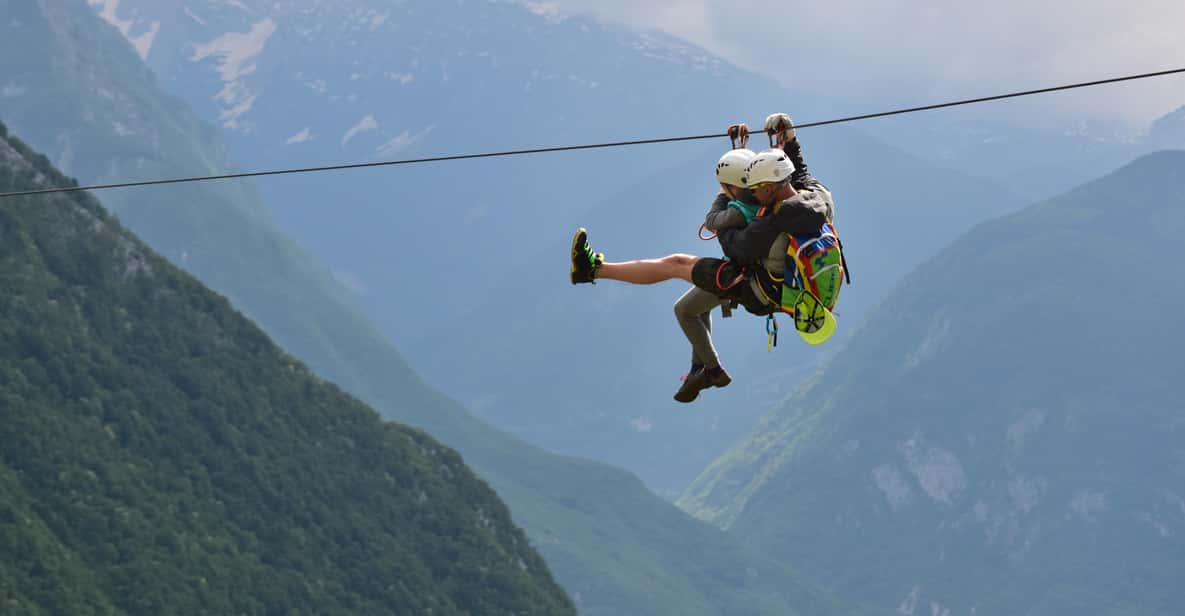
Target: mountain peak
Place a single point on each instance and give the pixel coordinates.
(1169, 130)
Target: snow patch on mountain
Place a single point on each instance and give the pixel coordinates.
(893, 486)
(1154, 522)
(366, 124)
(239, 5)
(937, 470)
(403, 141)
(664, 48)
(1026, 492)
(641, 424)
(142, 43)
(1087, 504)
(1020, 430)
(547, 10)
(909, 605)
(194, 17)
(236, 54)
(936, 339)
(12, 90)
(301, 137)
(1176, 500)
(317, 85)
(237, 51)
(402, 78)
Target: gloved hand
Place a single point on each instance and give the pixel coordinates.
(781, 128)
(781, 125)
(739, 135)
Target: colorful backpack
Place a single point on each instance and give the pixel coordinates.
(815, 272)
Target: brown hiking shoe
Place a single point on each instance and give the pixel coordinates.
(699, 380)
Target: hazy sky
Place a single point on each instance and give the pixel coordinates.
(922, 51)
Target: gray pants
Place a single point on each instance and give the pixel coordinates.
(694, 313)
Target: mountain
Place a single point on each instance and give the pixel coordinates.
(161, 455)
(79, 93)
(462, 264)
(1038, 162)
(311, 82)
(1168, 131)
(613, 545)
(1005, 435)
(626, 338)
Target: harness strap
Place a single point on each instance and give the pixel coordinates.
(740, 278)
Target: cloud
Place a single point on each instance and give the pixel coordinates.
(920, 51)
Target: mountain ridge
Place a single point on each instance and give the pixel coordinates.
(345, 81)
(161, 455)
(617, 526)
(1021, 440)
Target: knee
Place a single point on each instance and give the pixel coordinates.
(683, 310)
(681, 260)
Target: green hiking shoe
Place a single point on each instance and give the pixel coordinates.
(585, 262)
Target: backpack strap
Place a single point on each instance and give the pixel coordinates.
(843, 260)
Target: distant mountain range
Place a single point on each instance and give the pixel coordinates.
(86, 100)
(1005, 436)
(1169, 131)
(1035, 162)
(463, 264)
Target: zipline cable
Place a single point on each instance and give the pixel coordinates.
(569, 148)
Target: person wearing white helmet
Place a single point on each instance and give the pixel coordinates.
(792, 203)
(732, 207)
(693, 311)
(724, 280)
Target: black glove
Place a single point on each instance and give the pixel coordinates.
(801, 174)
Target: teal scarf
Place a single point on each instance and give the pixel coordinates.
(748, 210)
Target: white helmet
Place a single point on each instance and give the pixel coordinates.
(731, 168)
(768, 166)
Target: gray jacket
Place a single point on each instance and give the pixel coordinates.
(815, 196)
(720, 216)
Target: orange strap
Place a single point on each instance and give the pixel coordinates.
(740, 277)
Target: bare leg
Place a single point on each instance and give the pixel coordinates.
(649, 271)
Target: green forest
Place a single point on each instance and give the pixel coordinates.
(160, 455)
